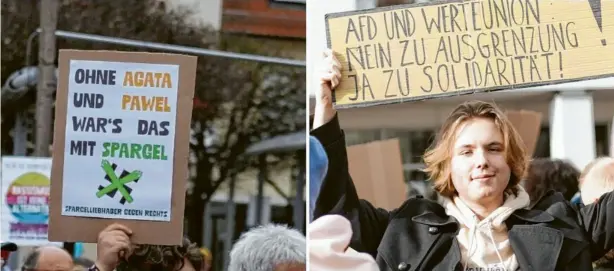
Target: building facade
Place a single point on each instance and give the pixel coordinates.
(279, 23)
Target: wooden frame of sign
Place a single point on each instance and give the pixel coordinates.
(86, 229)
(438, 49)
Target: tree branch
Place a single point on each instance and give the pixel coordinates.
(278, 190)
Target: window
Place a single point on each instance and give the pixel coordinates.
(542, 147)
(602, 141)
(285, 215)
(270, 18)
(216, 229)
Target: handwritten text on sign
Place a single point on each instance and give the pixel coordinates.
(120, 140)
(408, 53)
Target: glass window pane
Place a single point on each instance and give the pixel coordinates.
(542, 148)
(602, 138)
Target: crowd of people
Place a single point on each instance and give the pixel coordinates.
(497, 209)
(268, 247)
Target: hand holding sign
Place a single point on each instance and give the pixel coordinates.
(330, 76)
(113, 241)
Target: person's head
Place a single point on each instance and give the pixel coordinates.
(478, 155)
(587, 168)
(6, 249)
(186, 257)
(48, 258)
(269, 248)
(598, 180)
(546, 174)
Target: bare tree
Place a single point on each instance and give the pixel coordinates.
(236, 103)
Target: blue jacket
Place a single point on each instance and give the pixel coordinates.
(318, 166)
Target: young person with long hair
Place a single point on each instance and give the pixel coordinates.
(476, 164)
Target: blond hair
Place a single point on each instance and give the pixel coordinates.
(587, 168)
(438, 157)
(598, 180)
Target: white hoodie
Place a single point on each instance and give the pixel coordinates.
(484, 244)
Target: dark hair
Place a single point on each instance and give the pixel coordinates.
(31, 260)
(162, 258)
(546, 174)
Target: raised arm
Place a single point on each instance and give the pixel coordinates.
(598, 222)
(337, 194)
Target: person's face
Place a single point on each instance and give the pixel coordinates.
(479, 169)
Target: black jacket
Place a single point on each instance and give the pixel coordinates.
(419, 235)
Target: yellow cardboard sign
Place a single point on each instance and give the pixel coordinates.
(414, 52)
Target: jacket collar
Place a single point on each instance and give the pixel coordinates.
(533, 216)
(432, 219)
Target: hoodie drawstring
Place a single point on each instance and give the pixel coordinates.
(470, 249)
(492, 239)
(476, 249)
(473, 231)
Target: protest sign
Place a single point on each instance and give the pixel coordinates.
(414, 52)
(25, 200)
(122, 120)
(377, 171)
(528, 125)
